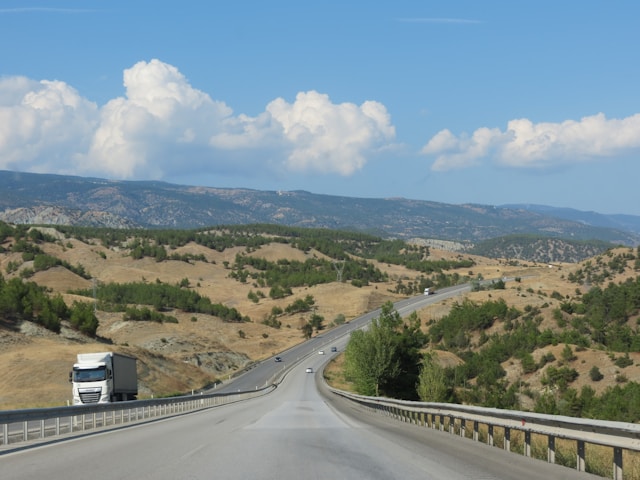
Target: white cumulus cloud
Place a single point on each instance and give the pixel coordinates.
(329, 138)
(524, 144)
(163, 126)
(43, 125)
(141, 135)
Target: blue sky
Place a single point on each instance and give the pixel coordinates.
(491, 102)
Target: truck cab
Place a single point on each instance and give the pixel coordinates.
(91, 383)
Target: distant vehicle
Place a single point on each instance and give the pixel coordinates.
(103, 377)
(429, 291)
(321, 352)
(334, 349)
(278, 359)
(309, 370)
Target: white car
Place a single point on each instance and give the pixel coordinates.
(321, 352)
(309, 370)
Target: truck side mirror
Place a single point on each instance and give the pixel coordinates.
(71, 376)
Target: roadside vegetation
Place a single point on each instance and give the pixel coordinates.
(488, 335)
(396, 357)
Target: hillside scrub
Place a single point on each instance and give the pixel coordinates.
(115, 296)
(604, 318)
(487, 336)
(20, 300)
(490, 339)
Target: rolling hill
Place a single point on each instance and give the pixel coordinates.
(196, 349)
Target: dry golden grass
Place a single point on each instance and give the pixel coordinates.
(201, 349)
(198, 350)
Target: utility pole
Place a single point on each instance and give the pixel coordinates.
(95, 301)
(339, 269)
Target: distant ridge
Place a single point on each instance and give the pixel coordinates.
(29, 198)
(615, 221)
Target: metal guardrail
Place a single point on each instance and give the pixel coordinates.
(19, 426)
(619, 436)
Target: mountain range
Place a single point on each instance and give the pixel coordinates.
(31, 198)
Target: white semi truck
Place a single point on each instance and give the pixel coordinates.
(103, 377)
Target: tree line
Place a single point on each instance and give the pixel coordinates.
(162, 297)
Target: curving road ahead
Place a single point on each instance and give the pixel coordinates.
(265, 372)
(297, 432)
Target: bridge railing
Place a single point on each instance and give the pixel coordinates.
(455, 419)
(18, 426)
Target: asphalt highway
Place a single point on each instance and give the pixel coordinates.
(298, 431)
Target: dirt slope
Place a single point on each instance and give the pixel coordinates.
(201, 349)
(198, 350)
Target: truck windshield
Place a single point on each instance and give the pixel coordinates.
(89, 374)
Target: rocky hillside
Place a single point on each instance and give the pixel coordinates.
(189, 353)
(188, 350)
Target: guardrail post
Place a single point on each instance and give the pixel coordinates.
(5, 434)
(475, 431)
(507, 439)
(452, 424)
(463, 427)
(551, 449)
(617, 463)
(42, 428)
(527, 443)
(490, 435)
(580, 464)
(25, 431)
